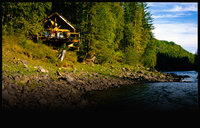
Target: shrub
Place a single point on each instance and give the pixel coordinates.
(131, 56)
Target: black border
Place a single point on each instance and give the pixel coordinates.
(141, 117)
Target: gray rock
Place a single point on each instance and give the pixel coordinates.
(95, 74)
(68, 78)
(43, 101)
(43, 70)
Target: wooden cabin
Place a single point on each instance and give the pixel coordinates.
(59, 29)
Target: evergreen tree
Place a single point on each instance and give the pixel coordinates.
(149, 56)
(101, 27)
(147, 26)
(24, 17)
(137, 29)
(102, 32)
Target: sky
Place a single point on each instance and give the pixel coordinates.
(177, 22)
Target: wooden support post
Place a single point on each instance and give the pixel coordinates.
(62, 55)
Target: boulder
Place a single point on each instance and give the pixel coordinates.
(67, 78)
(43, 70)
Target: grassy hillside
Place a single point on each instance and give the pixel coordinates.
(24, 56)
(171, 56)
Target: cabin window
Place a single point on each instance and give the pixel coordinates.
(60, 35)
(47, 34)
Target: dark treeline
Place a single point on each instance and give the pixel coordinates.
(114, 32)
(166, 62)
(171, 56)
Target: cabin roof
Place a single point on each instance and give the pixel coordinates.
(62, 18)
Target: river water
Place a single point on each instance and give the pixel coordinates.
(150, 97)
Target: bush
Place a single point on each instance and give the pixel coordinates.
(118, 56)
(105, 56)
(131, 56)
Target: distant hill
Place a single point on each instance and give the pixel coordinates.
(171, 56)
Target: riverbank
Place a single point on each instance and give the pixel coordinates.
(33, 78)
(64, 90)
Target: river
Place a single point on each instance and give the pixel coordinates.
(150, 97)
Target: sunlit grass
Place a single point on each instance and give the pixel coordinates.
(18, 49)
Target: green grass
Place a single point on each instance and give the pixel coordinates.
(18, 48)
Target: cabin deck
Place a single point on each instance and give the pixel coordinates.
(59, 30)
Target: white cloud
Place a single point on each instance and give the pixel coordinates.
(170, 15)
(158, 4)
(179, 8)
(182, 34)
(173, 7)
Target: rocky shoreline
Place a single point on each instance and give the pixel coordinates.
(65, 92)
